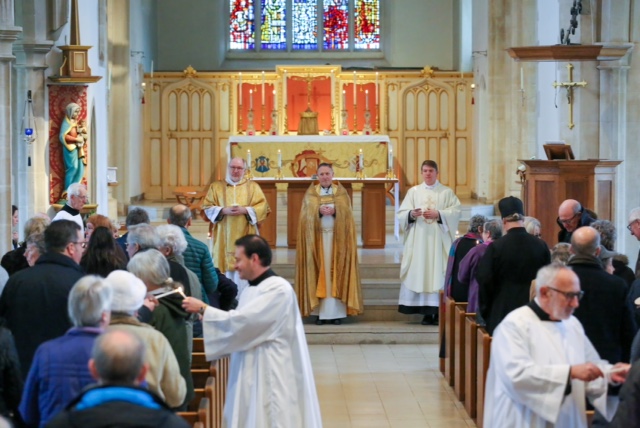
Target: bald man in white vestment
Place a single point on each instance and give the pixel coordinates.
(270, 379)
(542, 363)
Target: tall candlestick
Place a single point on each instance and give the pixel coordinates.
(521, 79)
(240, 89)
(263, 88)
(361, 160)
(250, 99)
(249, 159)
(377, 90)
(354, 87)
(151, 69)
(366, 99)
(279, 159)
(284, 89)
(390, 158)
(332, 89)
(274, 99)
(344, 99)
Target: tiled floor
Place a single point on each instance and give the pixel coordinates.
(384, 386)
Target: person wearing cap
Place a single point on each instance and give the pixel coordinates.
(429, 215)
(604, 311)
(163, 377)
(509, 265)
(634, 228)
(571, 216)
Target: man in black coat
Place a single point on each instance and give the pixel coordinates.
(571, 216)
(117, 363)
(34, 301)
(604, 311)
(509, 265)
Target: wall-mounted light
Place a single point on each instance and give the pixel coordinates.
(29, 131)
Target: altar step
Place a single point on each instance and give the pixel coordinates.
(357, 331)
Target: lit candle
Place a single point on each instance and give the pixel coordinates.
(284, 89)
(274, 99)
(344, 99)
(151, 69)
(366, 99)
(354, 87)
(361, 160)
(240, 89)
(521, 79)
(332, 89)
(250, 99)
(279, 159)
(377, 90)
(390, 158)
(263, 88)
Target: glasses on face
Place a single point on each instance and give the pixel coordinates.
(82, 197)
(569, 295)
(236, 168)
(567, 221)
(630, 226)
(82, 244)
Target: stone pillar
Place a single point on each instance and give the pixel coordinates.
(8, 34)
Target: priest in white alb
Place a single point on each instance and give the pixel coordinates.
(271, 382)
(542, 363)
(429, 215)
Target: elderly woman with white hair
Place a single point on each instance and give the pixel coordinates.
(163, 377)
(168, 317)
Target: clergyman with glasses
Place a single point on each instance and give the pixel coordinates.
(34, 301)
(77, 197)
(571, 216)
(235, 206)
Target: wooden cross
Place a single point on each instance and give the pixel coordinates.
(569, 86)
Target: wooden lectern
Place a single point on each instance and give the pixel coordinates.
(549, 182)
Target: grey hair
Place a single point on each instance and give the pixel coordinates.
(560, 253)
(634, 215)
(172, 236)
(513, 218)
(476, 222)
(89, 298)
(151, 267)
(530, 224)
(118, 356)
(144, 235)
(37, 240)
(179, 215)
(546, 276)
(36, 224)
(493, 228)
(74, 189)
(607, 232)
(137, 216)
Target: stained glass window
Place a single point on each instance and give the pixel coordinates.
(367, 24)
(304, 15)
(336, 24)
(273, 32)
(241, 24)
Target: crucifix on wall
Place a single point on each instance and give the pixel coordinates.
(569, 86)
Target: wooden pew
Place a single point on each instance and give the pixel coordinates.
(201, 415)
(198, 394)
(200, 376)
(198, 344)
(441, 315)
(471, 372)
(459, 351)
(450, 340)
(199, 361)
(217, 406)
(482, 359)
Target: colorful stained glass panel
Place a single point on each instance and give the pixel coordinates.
(367, 24)
(304, 15)
(273, 31)
(336, 24)
(241, 25)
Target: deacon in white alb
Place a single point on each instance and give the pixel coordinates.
(270, 379)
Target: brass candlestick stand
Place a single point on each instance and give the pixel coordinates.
(274, 122)
(251, 130)
(240, 130)
(344, 126)
(279, 175)
(333, 121)
(377, 119)
(367, 123)
(286, 121)
(355, 120)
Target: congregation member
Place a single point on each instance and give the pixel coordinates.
(103, 254)
(572, 216)
(95, 221)
(509, 265)
(235, 206)
(34, 300)
(620, 262)
(77, 197)
(168, 317)
(455, 289)
(634, 227)
(14, 226)
(15, 260)
(491, 231)
(532, 226)
(118, 364)
(59, 371)
(543, 365)
(163, 375)
(327, 280)
(135, 216)
(628, 412)
(10, 378)
(429, 215)
(35, 248)
(197, 257)
(270, 378)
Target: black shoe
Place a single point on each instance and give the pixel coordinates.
(319, 321)
(336, 322)
(430, 320)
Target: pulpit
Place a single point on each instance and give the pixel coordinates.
(549, 182)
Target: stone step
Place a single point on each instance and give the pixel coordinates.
(358, 330)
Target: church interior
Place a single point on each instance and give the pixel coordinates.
(171, 91)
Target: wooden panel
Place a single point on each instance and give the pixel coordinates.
(392, 108)
(410, 112)
(443, 161)
(154, 105)
(461, 161)
(459, 350)
(183, 112)
(173, 111)
(295, 196)
(373, 215)
(155, 162)
(195, 112)
(207, 114)
(450, 305)
(433, 111)
(423, 153)
(268, 228)
(441, 317)
(470, 368)
(482, 357)
(461, 108)
(578, 189)
(604, 199)
(422, 112)
(547, 217)
(444, 110)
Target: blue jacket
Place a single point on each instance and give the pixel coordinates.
(197, 259)
(58, 374)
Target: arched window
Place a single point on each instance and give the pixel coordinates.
(304, 25)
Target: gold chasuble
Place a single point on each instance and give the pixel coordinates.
(311, 283)
(229, 228)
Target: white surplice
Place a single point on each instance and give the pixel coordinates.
(529, 371)
(271, 382)
(426, 243)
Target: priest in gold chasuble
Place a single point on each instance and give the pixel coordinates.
(429, 215)
(235, 206)
(327, 278)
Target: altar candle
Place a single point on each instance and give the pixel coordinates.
(263, 88)
(332, 89)
(151, 69)
(521, 79)
(274, 99)
(279, 159)
(250, 99)
(354, 87)
(344, 99)
(377, 90)
(284, 89)
(240, 89)
(390, 158)
(249, 159)
(366, 99)
(361, 160)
